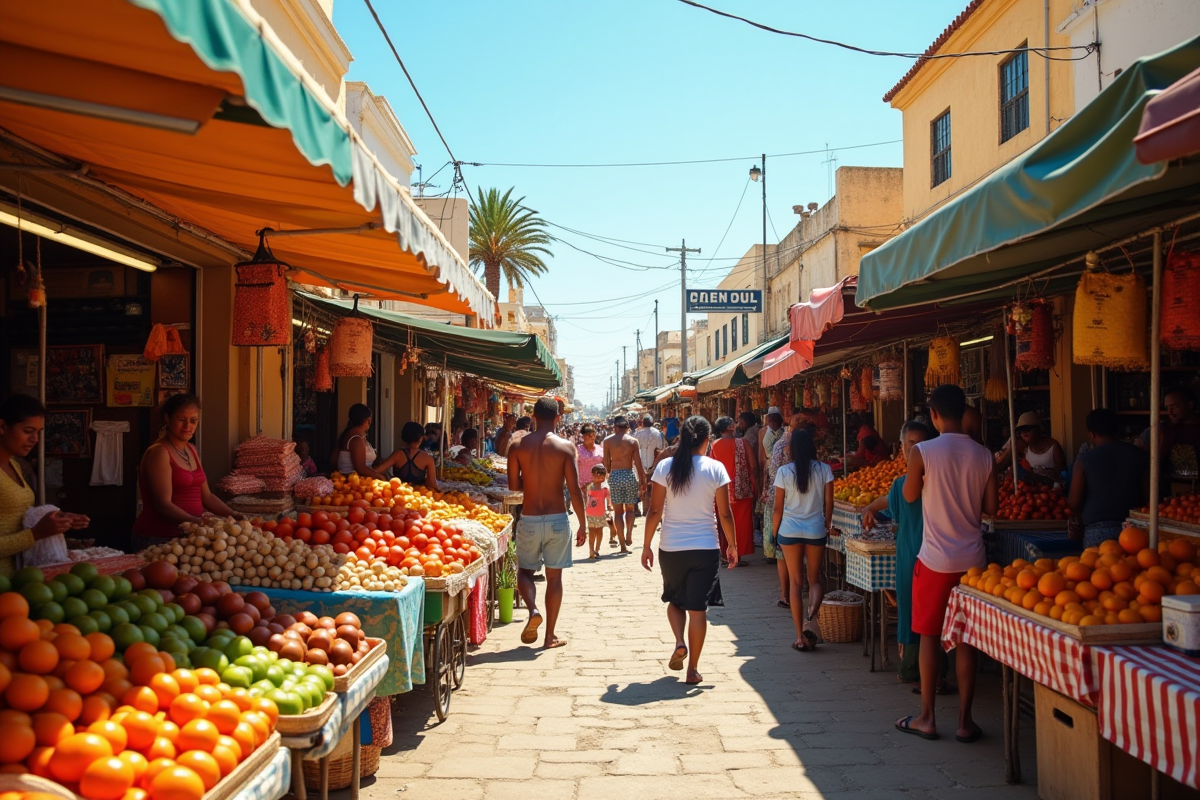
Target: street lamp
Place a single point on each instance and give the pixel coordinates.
(759, 175)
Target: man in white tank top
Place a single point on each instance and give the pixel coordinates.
(954, 478)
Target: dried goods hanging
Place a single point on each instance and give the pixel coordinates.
(996, 388)
(943, 363)
(262, 302)
(891, 381)
(835, 393)
(350, 348)
(1109, 328)
(1032, 326)
(857, 401)
(1181, 301)
(823, 394)
(867, 384)
(809, 396)
(323, 381)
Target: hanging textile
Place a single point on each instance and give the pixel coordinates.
(163, 341)
(1110, 321)
(1181, 301)
(108, 464)
(943, 363)
(262, 305)
(1032, 326)
(350, 348)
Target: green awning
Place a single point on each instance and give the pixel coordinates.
(520, 359)
(1079, 189)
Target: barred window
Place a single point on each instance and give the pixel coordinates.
(940, 147)
(1014, 96)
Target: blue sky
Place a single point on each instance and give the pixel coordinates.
(633, 81)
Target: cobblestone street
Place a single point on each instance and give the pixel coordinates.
(604, 718)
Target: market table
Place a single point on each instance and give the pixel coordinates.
(873, 571)
(346, 718)
(1148, 705)
(1007, 546)
(272, 782)
(395, 617)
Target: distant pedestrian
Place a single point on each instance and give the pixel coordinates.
(626, 476)
(650, 443)
(741, 462)
(597, 510)
(685, 489)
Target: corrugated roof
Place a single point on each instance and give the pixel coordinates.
(933, 48)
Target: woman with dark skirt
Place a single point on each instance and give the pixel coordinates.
(684, 489)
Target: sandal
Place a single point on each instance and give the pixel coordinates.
(803, 647)
(530, 634)
(973, 736)
(904, 726)
(784, 604)
(677, 657)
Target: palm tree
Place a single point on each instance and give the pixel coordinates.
(507, 237)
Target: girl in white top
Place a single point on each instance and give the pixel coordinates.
(803, 516)
(354, 453)
(684, 489)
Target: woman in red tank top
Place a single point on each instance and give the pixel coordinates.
(173, 485)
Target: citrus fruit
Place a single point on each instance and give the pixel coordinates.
(50, 728)
(176, 783)
(27, 692)
(16, 744)
(204, 765)
(199, 734)
(116, 734)
(74, 753)
(106, 779)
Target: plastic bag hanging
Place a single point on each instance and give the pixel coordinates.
(1110, 322)
(323, 381)
(1032, 325)
(891, 381)
(1181, 302)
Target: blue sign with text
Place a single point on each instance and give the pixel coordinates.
(730, 301)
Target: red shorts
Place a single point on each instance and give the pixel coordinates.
(930, 596)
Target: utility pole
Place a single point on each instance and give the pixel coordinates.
(657, 382)
(624, 363)
(683, 250)
(620, 388)
(760, 175)
(637, 358)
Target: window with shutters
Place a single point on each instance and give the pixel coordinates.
(1014, 95)
(939, 138)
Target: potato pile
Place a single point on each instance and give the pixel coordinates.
(242, 555)
(372, 575)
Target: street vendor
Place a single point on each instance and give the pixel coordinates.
(412, 464)
(22, 419)
(173, 484)
(1109, 479)
(354, 452)
(871, 449)
(467, 450)
(1041, 456)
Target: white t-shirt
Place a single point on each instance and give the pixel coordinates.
(803, 514)
(649, 440)
(690, 519)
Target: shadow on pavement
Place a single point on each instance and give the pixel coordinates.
(637, 694)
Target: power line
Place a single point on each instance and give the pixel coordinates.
(678, 163)
(1041, 51)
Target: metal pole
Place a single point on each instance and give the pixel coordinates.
(1155, 386)
(41, 448)
(657, 382)
(258, 390)
(907, 406)
(840, 384)
(1012, 414)
(637, 358)
(683, 250)
(762, 329)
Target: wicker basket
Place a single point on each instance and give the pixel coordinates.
(341, 765)
(840, 617)
(370, 759)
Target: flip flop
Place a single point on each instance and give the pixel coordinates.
(677, 657)
(974, 736)
(530, 634)
(555, 644)
(803, 648)
(810, 639)
(784, 604)
(903, 727)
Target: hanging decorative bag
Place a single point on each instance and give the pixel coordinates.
(1181, 302)
(891, 381)
(350, 348)
(857, 401)
(867, 384)
(1032, 325)
(996, 388)
(1110, 321)
(323, 382)
(262, 302)
(943, 363)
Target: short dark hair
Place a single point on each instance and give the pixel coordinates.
(748, 417)
(17, 408)
(775, 416)
(523, 423)
(598, 468)
(915, 426)
(870, 442)
(412, 432)
(723, 424)
(619, 421)
(546, 408)
(587, 428)
(949, 401)
(647, 421)
(1102, 422)
(471, 434)
(178, 402)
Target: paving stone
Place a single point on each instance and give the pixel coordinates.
(530, 789)
(784, 780)
(515, 767)
(646, 763)
(581, 756)
(720, 762)
(693, 787)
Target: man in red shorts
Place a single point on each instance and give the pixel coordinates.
(954, 478)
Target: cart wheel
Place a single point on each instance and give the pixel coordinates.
(441, 665)
(458, 643)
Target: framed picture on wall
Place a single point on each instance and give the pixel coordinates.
(75, 374)
(67, 433)
(173, 371)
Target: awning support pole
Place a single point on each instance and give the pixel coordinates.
(1012, 414)
(845, 424)
(907, 405)
(1155, 386)
(41, 447)
(258, 391)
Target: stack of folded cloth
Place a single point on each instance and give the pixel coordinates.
(313, 487)
(274, 461)
(242, 484)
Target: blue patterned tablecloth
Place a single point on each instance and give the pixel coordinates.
(871, 573)
(396, 617)
(273, 782)
(1006, 547)
(351, 704)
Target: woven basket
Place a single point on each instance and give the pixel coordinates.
(370, 759)
(840, 617)
(341, 765)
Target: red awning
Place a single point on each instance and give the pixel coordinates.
(1171, 122)
(791, 359)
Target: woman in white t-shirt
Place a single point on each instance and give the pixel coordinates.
(684, 490)
(801, 521)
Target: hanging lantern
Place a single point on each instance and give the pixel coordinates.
(1181, 292)
(891, 381)
(350, 348)
(1033, 328)
(943, 363)
(996, 389)
(1110, 321)
(262, 302)
(323, 382)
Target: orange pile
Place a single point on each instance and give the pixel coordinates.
(1123, 581)
(1182, 508)
(171, 735)
(863, 486)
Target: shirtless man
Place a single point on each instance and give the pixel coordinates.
(540, 464)
(504, 435)
(621, 458)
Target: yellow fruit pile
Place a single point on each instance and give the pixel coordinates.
(862, 487)
(1121, 582)
(465, 475)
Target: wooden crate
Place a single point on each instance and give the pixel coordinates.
(1144, 633)
(342, 683)
(993, 525)
(1167, 526)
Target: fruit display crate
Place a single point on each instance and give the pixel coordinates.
(343, 683)
(1166, 524)
(310, 721)
(995, 525)
(1140, 633)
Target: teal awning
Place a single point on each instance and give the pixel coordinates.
(1079, 189)
(519, 359)
(733, 373)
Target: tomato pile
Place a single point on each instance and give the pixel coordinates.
(1035, 501)
(1182, 508)
(108, 728)
(414, 544)
(1120, 582)
(376, 495)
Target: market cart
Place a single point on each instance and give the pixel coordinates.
(445, 635)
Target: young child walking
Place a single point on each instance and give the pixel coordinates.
(598, 506)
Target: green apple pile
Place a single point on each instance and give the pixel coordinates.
(294, 686)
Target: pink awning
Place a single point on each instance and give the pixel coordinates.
(791, 359)
(823, 310)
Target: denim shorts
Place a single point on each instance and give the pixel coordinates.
(787, 540)
(545, 541)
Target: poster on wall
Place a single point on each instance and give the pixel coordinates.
(75, 374)
(130, 381)
(173, 371)
(67, 433)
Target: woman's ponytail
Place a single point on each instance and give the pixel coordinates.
(692, 433)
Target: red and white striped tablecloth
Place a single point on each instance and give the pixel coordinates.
(1149, 706)
(1042, 654)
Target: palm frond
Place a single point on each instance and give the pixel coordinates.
(508, 235)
